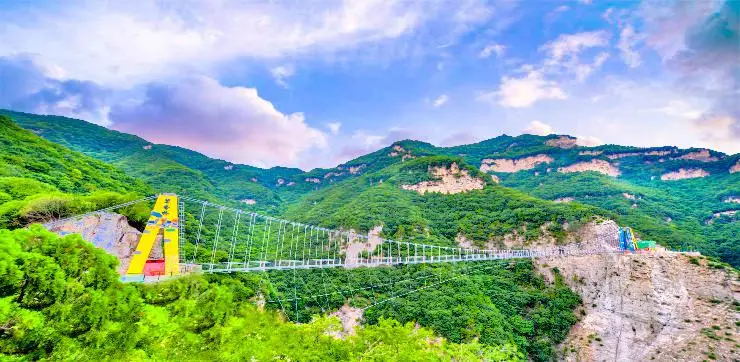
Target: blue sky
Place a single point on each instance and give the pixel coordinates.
(316, 83)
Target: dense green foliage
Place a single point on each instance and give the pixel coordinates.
(502, 311)
(165, 168)
(24, 154)
(40, 180)
(495, 303)
(60, 299)
(676, 214)
(376, 198)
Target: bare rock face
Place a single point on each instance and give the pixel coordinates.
(110, 232)
(629, 196)
(684, 173)
(591, 153)
(350, 318)
(600, 166)
(513, 165)
(735, 167)
(615, 156)
(356, 246)
(400, 151)
(562, 142)
(602, 234)
(653, 306)
(564, 199)
(450, 180)
(729, 214)
(702, 155)
(356, 169)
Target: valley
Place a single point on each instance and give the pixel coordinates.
(496, 194)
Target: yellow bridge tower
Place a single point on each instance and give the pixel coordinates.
(164, 216)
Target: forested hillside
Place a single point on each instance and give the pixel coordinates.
(40, 180)
(681, 198)
(165, 168)
(61, 299)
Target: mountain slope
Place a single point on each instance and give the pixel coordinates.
(40, 179)
(485, 212)
(646, 188)
(166, 168)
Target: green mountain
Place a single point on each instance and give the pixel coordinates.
(60, 298)
(682, 213)
(165, 168)
(40, 180)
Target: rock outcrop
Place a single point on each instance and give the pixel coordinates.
(684, 173)
(450, 180)
(655, 306)
(562, 142)
(615, 156)
(356, 246)
(354, 170)
(400, 151)
(350, 318)
(110, 232)
(564, 199)
(598, 234)
(702, 155)
(513, 165)
(729, 213)
(591, 153)
(600, 166)
(735, 167)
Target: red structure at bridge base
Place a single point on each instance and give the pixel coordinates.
(154, 267)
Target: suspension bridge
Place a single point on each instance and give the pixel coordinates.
(196, 236)
(212, 238)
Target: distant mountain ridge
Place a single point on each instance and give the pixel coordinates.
(678, 197)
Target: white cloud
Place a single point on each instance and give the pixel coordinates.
(232, 123)
(568, 46)
(440, 101)
(282, 73)
(719, 132)
(555, 13)
(128, 43)
(583, 70)
(525, 91)
(680, 109)
(334, 127)
(539, 128)
(497, 49)
(627, 42)
(588, 141)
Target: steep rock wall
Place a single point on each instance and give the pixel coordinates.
(657, 306)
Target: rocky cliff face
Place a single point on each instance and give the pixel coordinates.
(594, 165)
(110, 232)
(684, 174)
(513, 165)
(450, 180)
(657, 306)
